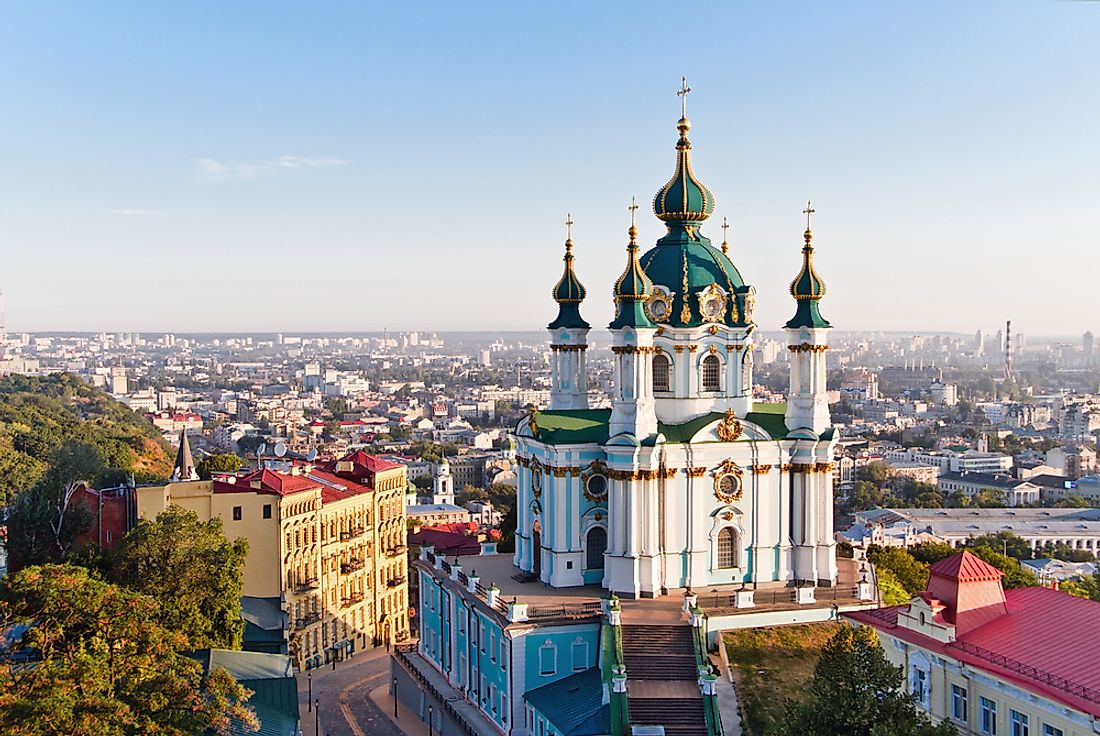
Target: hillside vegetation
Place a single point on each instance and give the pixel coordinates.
(39, 415)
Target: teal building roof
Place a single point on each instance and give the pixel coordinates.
(807, 289)
(569, 292)
(574, 704)
(585, 426)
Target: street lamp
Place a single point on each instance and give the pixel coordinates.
(309, 700)
(431, 712)
(395, 698)
(317, 717)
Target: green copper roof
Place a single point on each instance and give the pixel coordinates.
(808, 288)
(589, 426)
(684, 198)
(632, 290)
(569, 292)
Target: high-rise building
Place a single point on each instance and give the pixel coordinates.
(1087, 347)
(119, 385)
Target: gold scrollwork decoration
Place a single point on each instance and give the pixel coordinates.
(761, 469)
(695, 472)
(729, 429)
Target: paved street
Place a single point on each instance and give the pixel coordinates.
(346, 706)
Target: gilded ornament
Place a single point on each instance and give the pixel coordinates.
(761, 469)
(727, 481)
(678, 348)
(713, 329)
(695, 472)
(713, 349)
(712, 303)
(729, 429)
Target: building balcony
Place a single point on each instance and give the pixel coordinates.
(307, 620)
(352, 565)
(304, 586)
(394, 582)
(352, 533)
(351, 600)
(395, 551)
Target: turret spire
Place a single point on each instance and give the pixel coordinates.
(185, 463)
(808, 287)
(684, 198)
(725, 237)
(633, 287)
(569, 292)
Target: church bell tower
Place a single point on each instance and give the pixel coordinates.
(568, 337)
(807, 400)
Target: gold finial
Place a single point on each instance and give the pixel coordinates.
(633, 231)
(809, 212)
(725, 239)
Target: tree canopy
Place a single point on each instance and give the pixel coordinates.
(103, 664)
(191, 569)
(223, 463)
(855, 691)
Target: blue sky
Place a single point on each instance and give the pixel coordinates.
(279, 166)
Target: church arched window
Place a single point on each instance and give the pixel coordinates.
(712, 368)
(727, 548)
(661, 370)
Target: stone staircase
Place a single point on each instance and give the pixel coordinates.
(662, 682)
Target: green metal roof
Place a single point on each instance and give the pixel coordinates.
(589, 426)
(683, 261)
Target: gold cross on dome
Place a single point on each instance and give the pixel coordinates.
(633, 208)
(568, 225)
(683, 95)
(725, 229)
(809, 211)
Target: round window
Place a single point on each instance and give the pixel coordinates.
(536, 481)
(729, 487)
(597, 486)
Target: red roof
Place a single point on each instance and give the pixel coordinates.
(1047, 642)
(965, 567)
(336, 488)
(447, 543)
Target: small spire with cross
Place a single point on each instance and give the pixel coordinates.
(633, 231)
(725, 238)
(682, 94)
(569, 226)
(809, 212)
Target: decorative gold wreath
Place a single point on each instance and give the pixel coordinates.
(656, 296)
(730, 427)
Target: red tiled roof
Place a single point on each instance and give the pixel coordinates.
(1047, 642)
(336, 488)
(447, 543)
(373, 463)
(965, 567)
(279, 484)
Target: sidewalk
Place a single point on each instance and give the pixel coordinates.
(406, 720)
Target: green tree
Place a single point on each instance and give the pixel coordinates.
(877, 472)
(855, 691)
(1087, 587)
(931, 553)
(910, 574)
(104, 665)
(192, 570)
(508, 531)
(891, 592)
(45, 521)
(990, 498)
(1004, 542)
(223, 463)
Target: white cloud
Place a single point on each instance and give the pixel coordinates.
(215, 169)
(137, 212)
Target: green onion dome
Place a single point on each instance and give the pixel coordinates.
(684, 198)
(632, 290)
(807, 289)
(569, 293)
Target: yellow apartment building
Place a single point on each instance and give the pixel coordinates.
(325, 539)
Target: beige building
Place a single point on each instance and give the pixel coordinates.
(995, 662)
(326, 540)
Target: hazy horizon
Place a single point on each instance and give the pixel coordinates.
(214, 168)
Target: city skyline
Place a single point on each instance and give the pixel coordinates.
(358, 170)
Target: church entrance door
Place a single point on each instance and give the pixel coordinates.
(536, 551)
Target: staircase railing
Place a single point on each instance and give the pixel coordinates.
(706, 678)
(613, 667)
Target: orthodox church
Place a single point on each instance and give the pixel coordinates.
(684, 482)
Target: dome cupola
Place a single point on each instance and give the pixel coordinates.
(633, 287)
(569, 292)
(808, 287)
(684, 198)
